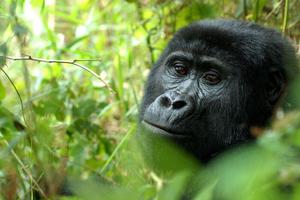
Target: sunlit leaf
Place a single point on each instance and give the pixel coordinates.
(2, 91)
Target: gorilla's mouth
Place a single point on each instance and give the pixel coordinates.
(163, 131)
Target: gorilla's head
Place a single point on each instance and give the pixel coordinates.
(214, 82)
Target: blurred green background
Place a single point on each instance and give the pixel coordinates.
(78, 129)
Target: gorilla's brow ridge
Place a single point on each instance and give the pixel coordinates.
(214, 61)
(180, 55)
(203, 59)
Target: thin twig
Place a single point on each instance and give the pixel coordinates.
(70, 62)
(26, 170)
(99, 60)
(159, 182)
(19, 96)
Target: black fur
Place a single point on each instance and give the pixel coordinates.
(249, 64)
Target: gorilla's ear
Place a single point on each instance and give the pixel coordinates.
(276, 85)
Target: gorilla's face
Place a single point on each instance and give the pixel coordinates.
(213, 82)
(193, 87)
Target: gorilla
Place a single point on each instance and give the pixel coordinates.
(214, 83)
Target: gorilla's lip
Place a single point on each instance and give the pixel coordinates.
(157, 129)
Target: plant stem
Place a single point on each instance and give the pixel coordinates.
(285, 16)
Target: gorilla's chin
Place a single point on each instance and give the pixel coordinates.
(162, 131)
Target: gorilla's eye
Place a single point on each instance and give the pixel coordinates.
(212, 77)
(181, 69)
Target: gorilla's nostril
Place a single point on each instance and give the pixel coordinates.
(178, 104)
(165, 101)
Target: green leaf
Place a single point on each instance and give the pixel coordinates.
(175, 187)
(3, 53)
(207, 192)
(85, 108)
(2, 91)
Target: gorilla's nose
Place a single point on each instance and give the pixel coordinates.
(178, 104)
(168, 111)
(175, 101)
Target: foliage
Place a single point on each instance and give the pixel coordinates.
(58, 122)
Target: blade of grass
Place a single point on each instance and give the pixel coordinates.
(285, 16)
(256, 11)
(118, 147)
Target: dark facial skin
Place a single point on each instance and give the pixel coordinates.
(187, 82)
(214, 82)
